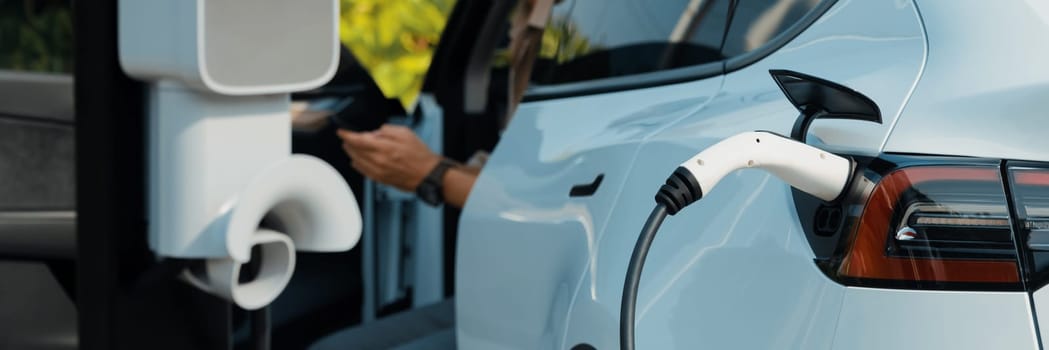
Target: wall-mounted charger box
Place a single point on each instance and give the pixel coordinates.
(231, 47)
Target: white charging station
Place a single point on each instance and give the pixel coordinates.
(220, 73)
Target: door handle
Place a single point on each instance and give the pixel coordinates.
(586, 190)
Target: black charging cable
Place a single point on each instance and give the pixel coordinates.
(680, 190)
(633, 276)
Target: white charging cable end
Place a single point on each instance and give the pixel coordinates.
(807, 168)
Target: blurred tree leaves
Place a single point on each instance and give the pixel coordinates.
(36, 35)
(563, 41)
(394, 40)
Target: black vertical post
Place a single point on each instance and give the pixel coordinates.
(109, 168)
(126, 297)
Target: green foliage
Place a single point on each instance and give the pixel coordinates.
(36, 35)
(563, 40)
(394, 40)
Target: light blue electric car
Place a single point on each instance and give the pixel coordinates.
(938, 239)
(940, 242)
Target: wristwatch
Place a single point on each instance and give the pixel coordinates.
(430, 190)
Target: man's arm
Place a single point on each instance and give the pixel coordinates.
(457, 184)
(395, 156)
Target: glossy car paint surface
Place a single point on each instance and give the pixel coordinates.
(527, 231)
(983, 92)
(538, 269)
(883, 319)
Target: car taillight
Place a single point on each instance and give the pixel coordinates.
(1029, 186)
(927, 226)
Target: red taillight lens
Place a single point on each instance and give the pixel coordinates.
(940, 224)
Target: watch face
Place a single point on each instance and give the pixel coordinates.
(427, 192)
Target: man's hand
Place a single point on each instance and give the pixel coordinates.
(392, 155)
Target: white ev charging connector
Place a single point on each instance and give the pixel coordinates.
(804, 167)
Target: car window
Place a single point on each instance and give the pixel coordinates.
(595, 39)
(756, 22)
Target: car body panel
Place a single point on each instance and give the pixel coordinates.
(874, 47)
(983, 92)
(1040, 298)
(761, 267)
(735, 270)
(715, 274)
(527, 250)
(524, 245)
(911, 319)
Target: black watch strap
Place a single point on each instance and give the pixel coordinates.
(431, 190)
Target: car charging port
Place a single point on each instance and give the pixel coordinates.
(828, 220)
